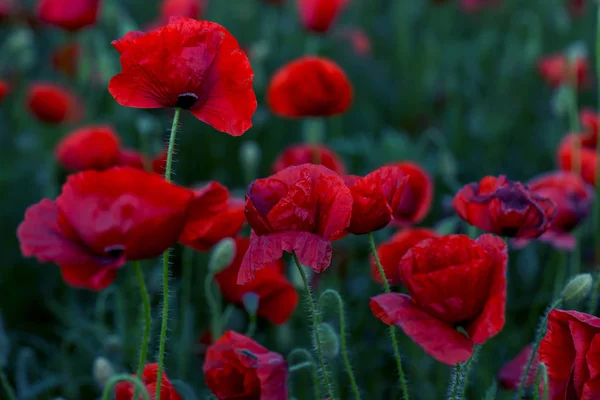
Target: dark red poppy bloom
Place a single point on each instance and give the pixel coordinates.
(66, 58)
(573, 199)
(189, 64)
(319, 15)
(4, 89)
(590, 122)
(236, 367)
(213, 216)
(417, 196)
(506, 208)
(391, 252)
(300, 209)
(101, 220)
(576, 7)
(71, 15)
(453, 281)
(7, 9)
(132, 158)
(587, 155)
(309, 87)
(91, 147)
(309, 154)
(511, 373)
(126, 391)
(277, 297)
(53, 103)
(557, 69)
(182, 8)
(571, 352)
(358, 38)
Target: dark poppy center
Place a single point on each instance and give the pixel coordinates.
(513, 198)
(115, 251)
(186, 100)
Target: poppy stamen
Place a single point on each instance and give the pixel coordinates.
(185, 101)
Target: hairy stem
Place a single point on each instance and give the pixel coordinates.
(147, 320)
(311, 360)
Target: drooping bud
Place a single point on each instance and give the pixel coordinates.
(251, 301)
(103, 371)
(330, 343)
(577, 288)
(222, 255)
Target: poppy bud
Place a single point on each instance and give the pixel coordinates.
(577, 288)
(251, 301)
(250, 155)
(103, 371)
(330, 343)
(222, 255)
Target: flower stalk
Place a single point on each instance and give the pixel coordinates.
(146, 311)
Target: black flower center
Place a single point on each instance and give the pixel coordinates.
(114, 251)
(186, 100)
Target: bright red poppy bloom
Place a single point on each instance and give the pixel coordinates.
(300, 209)
(510, 374)
(417, 197)
(189, 64)
(309, 87)
(319, 15)
(126, 391)
(236, 367)
(277, 297)
(506, 208)
(309, 154)
(90, 147)
(101, 220)
(4, 89)
(71, 15)
(556, 69)
(453, 281)
(587, 155)
(571, 352)
(573, 198)
(212, 217)
(53, 103)
(391, 252)
(66, 58)
(182, 8)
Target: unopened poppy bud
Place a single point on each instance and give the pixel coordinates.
(103, 371)
(577, 288)
(250, 155)
(251, 301)
(329, 340)
(222, 255)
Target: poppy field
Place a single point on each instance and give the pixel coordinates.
(299, 199)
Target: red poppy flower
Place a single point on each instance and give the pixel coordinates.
(590, 122)
(7, 9)
(358, 38)
(103, 219)
(91, 147)
(556, 69)
(452, 281)
(391, 252)
(573, 199)
(71, 15)
(277, 297)
(4, 89)
(318, 15)
(309, 154)
(511, 373)
(300, 209)
(212, 217)
(417, 196)
(182, 8)
(309, 87)
(236, 367)
(66, 58)
(132, 158)
(587, 155)
(189, 64)
(126, 391)
(506, 208)
(570, 350)
(52, 103)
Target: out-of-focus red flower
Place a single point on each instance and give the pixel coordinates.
(4, 89)
(277, 297)
(236, 367)
(453, 281)
(573, 198)
(309, 154)
(506, 208)
(587, 155)
(417, 196)
(576, 7)
(476, 5)
(71, 15)
(358, 38)
(66, 58)
(510, 374)
(189, 64)
(571, 352)
(300, 209)
(309, 87)
(131, 158)
(556, 69)
(182, 8)
(319, 15)
(53, 103)
(90, 147)
(590, 122)
(7, 9)
(126, 391)
(101, 220)
(213, 216)
(391, 252)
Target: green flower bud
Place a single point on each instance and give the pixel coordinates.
(251, 301)
(103, 371)
(222, 255)
(577, 288)
(330, 343)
